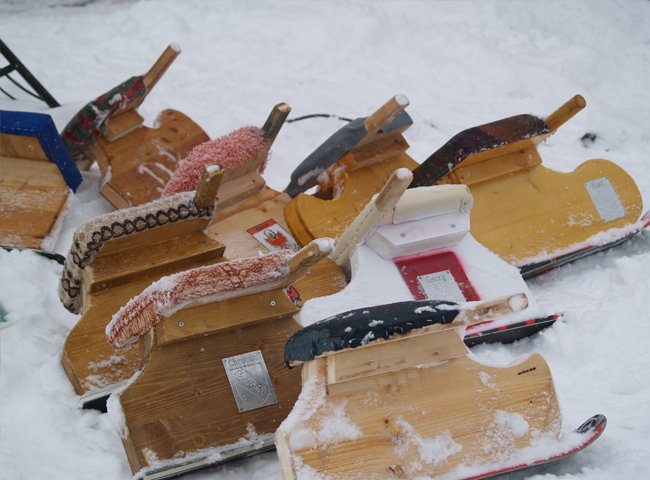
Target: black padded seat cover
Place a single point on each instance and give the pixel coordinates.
(361, 326)
(473, 140)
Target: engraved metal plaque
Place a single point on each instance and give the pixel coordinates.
(441, 286)
(249, 380)
(605, 199)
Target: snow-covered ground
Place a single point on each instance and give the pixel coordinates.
(461, 63)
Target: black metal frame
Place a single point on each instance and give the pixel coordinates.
(15, 64)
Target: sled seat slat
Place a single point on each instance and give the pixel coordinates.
(220, 317)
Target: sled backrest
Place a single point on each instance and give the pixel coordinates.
(113, 114)
(250, 290)
(494, 149)
(242, 155)
(36, 176)
(366, 140)
(121, 245)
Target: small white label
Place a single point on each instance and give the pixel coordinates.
(273, 236)
(441, 286)
(250, 381)
(605, 199)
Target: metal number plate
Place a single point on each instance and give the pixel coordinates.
(605, 199)
(249, 380)
(441, 286)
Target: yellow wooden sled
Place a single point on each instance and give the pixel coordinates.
(136, 161)
(212, 386)
(391, 392)
(37, 176)
(525, 212)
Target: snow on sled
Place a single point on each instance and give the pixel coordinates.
(415, 244)
(367, 149)
(212, 387)
(136, 161)
(113, 258)
(37, 177)
(391, 391)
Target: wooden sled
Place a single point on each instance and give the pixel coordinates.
(37, 176)
(391, 392)
(367, 151)
(250, 215)
(113, 258)
(415, 244)
(136, 161)
(523, 211)
(212, 386)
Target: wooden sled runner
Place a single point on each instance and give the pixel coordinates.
(212, 387)
(37, 176)
(391, 392)
(415, 244)
(136, 161)
(113, 258)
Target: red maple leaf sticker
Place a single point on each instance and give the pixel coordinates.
(277, 239)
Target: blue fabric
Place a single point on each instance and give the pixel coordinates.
(41, 126)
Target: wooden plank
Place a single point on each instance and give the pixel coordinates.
(399, 412)
(142, 162)
(19, 146)
(118, 267)
(32, 195)
(122, 124)
(407, 352)
(219, 317)
(309, 217)
(388, 146)
(183, 402)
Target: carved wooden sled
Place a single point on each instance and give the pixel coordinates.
(212, 386)
(37, 177)
(113, 258)
(531, 216)
(136, 161)
(391, 392)
(415, 244)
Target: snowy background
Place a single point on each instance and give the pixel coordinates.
(461, 63)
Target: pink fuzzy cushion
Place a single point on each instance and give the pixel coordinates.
(209, 283)
(229, 151)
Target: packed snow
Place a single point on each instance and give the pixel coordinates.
(461, 64)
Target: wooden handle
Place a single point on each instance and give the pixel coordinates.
(372, 214)
(309, 255)
(488, 309)
(159, 68)
(206, 193)
(393, 189)
(276, 119)
(385, 114)
(560, 116)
